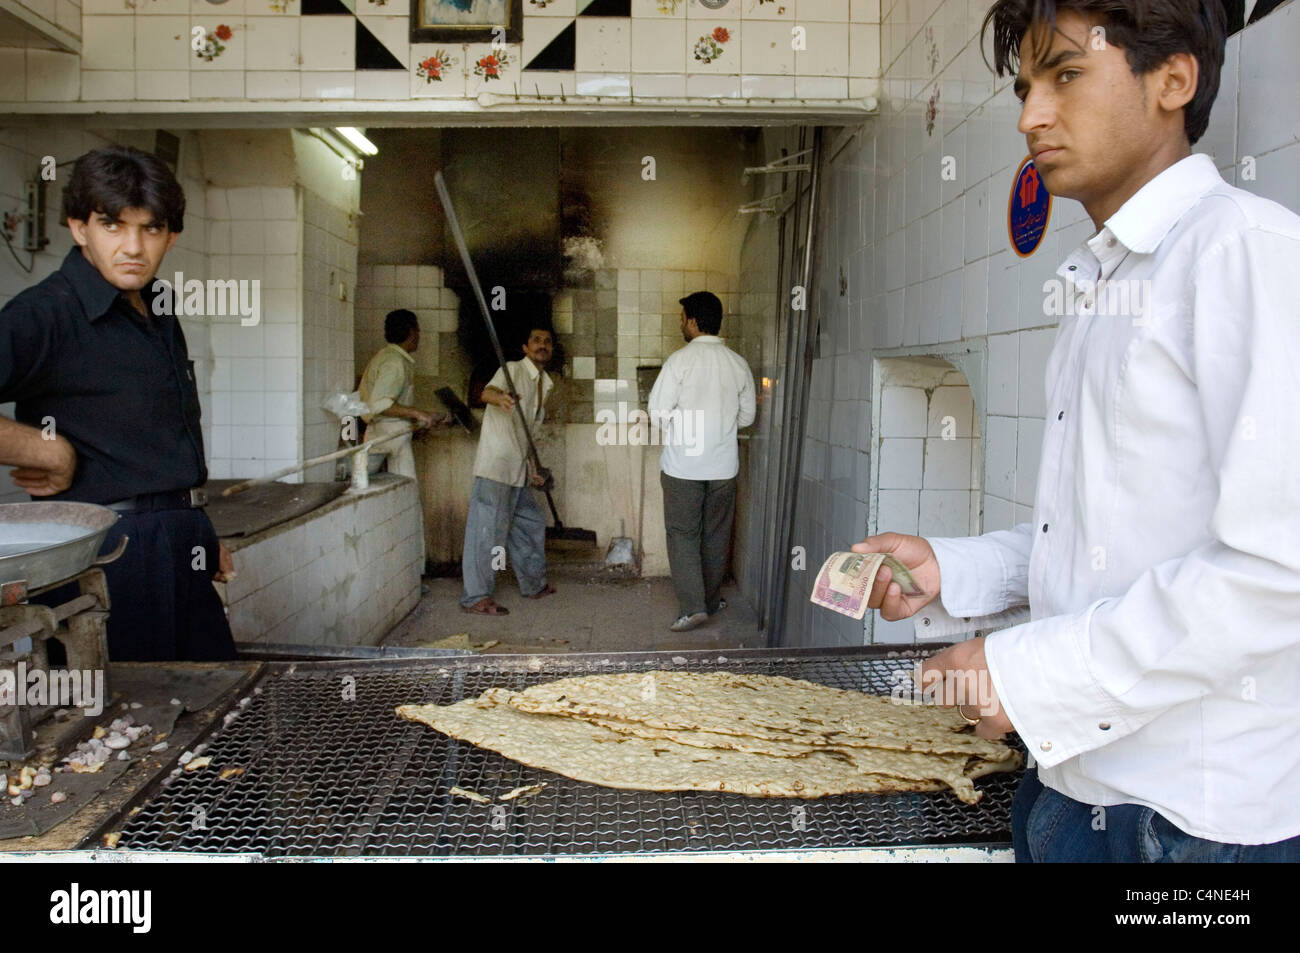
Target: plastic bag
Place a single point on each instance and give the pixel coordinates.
(345, 405)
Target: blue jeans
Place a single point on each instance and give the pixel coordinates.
(1047, 827)
(502, 515)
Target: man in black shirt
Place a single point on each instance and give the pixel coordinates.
(108, 411)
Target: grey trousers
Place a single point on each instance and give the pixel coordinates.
(697, 519)
(506, 516)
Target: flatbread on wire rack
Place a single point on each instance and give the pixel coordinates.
(760, 706)
(622, 731)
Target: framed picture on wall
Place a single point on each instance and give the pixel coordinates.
(467, 21)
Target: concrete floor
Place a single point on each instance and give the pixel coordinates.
(590, 611)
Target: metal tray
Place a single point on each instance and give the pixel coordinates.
(43, 543)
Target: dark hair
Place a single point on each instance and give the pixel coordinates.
(399, 324)
(706, 309)
(114, 178)
(1148, 31)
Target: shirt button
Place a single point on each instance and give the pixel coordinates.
(1046, 746)
(1104, 726)
(1061, 415)
(1044, 527)
(1074, 267)
(925, 621)
(1110, 243)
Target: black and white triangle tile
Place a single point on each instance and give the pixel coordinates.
(601, 27)
(382, 41)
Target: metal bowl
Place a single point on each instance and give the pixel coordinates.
(43, 543)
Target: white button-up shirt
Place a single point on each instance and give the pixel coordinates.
(704, 393)
(1161, 665)
(502, 449)
(388, 379)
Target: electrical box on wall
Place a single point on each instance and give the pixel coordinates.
(34, 238)
(167, 146)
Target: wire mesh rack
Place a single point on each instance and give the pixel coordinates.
(316, 763)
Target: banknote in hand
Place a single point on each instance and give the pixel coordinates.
(844, 582)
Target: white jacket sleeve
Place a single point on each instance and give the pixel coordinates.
(748, 406)
(1072, 683)
(664, 394)
(984, 575)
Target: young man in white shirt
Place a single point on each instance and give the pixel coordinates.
(502, 511)
(703, 395)
(1155, 682)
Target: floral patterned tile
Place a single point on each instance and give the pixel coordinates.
(767, 9)
(492, 68)
(712, 49)
(220, 46)
(438, 71)
(288, 8)
(659, 9)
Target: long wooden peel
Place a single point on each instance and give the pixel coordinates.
(558, 531)
(324, 458)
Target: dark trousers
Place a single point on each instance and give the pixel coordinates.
(1047, 826)
(164, 606)
(697, 519)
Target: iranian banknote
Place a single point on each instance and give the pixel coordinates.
(844, 582)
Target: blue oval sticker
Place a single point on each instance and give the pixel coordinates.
(1028, 209)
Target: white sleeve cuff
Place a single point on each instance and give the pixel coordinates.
(1043, 677)
(934, 623)
(973, 579)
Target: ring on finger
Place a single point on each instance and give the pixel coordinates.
(967, 718)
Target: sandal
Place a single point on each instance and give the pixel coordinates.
(486, 606)
(546, 590)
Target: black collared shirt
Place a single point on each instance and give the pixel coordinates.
(118, 385)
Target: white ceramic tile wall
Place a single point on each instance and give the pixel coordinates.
(649, 312)
(257, 393)
(686, 49)
(329, 282)
(928, 261)
(360, 576)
